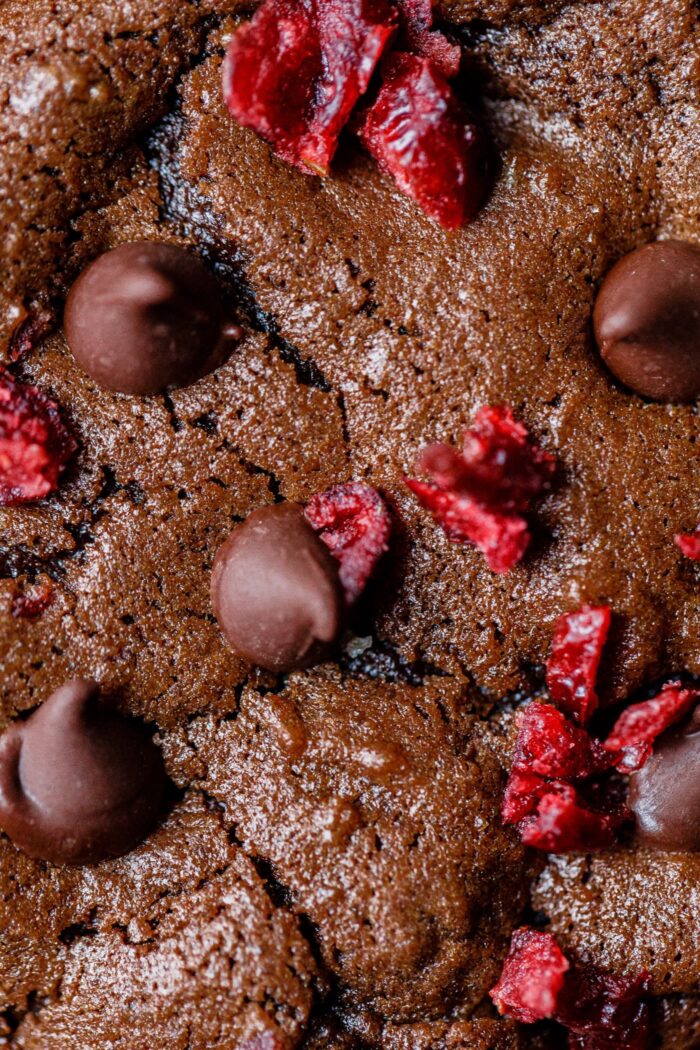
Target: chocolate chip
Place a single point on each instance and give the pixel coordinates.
(665, 794)
(146, 317)
(276, 592)
(78, 781)
(647, 321)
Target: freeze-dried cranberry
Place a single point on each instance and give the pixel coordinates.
(532, 977)
(354, 523)
(35, 325)
(573, 665)
(35, 445)
(631, 741)
(418, 36)
(563, 823)
(689, 543)
(604, 1012)
(523, 792)
(264, 1041)
(600, 1011)
(478, 495)
(295, 72)
(419, 134)
(33, 601)
(549, 745)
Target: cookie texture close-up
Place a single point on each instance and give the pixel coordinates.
(349, 525)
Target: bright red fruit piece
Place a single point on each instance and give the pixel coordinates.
(600, 1011)
(295, 72)
(420, 37)
(523, 792)
(573, 665)
(35, 445)
(532, 977)
(478, 495)
(563, 823)
(354, 523)
(418, 133)
(689, 543)
(632, 738)
(33, 602)
(549, 745)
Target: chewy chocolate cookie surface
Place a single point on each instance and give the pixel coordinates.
(329, 867)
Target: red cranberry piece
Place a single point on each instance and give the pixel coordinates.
(532, 977)
(33, 602)
(502, 538)
(549, 745)
(631, 741)
(420, 37)
(477, 495)
(689, 543)
(37, 323)
(601, 1011)
(523, 792)
(295, 72)
(418, 133)
(573, 665)
(563, 823)
(354, 523)
(604, 1012)
(35, 445)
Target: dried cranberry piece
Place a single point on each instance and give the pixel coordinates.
(689, 543)
(502, 538)
(532, 977)
(573, 665)
(354, 523)
(35, 445)
(420, 37)
(28, 604)
(478, 495)
(563, 823)
(418, 133)
(604, 1012)
(295, 72)
(601, 1011)
(37, 323)
(631, 741)
(549, 745)
(522, 794)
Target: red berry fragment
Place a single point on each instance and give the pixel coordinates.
(264, 1041)
(28, 604)
(563, 823)
(532, 977)
(416, 17)
(479, 495)
(549, 745)
(523, 793)
(35, 325)
(417, 132)
(545, 795)
(35, 445)
(573, 665)
(631, 741)
(354, 523)
(689, 543)
(600, 1011)
(295, 72)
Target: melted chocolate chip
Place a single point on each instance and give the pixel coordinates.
(78, 781)
(665, 794)
(146, 317)
(276, 591)
(647, 321)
